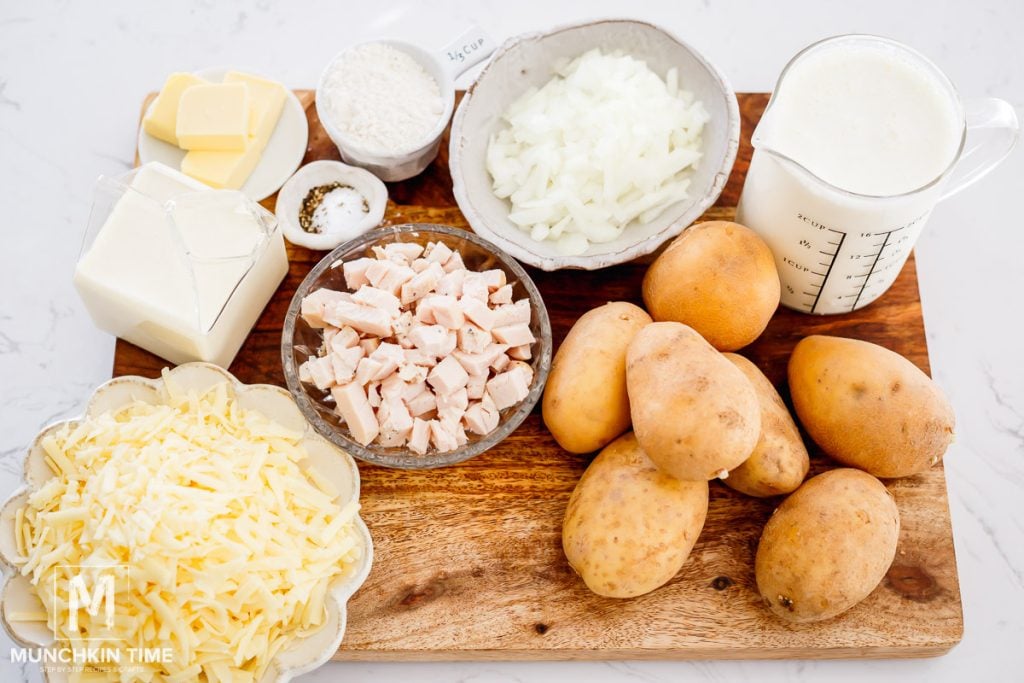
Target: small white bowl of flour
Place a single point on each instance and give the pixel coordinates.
(386, 103)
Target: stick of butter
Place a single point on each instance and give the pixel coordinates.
(214, 117)
(162, 118)
(222, 170)
(267, 98)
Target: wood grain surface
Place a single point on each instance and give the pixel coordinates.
(468, 561)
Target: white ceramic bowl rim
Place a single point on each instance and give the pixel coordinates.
(376, 194)
(106, 396)
(446, 86)
(520, 247)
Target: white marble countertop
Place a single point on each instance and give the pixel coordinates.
(72, 76)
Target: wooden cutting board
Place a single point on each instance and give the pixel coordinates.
(468, 560)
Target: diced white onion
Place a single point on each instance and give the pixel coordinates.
(604, 143)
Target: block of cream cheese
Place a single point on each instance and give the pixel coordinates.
(267, 100)
(214, 117)
(161, 119)
(177, 268)
(224, 170)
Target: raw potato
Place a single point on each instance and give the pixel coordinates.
(720, 279)
(827, 546)
(694, 413)
(629, 527)
(869, 407)
(779, 462)
(585, 402)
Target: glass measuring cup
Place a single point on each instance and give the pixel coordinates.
(839, 250)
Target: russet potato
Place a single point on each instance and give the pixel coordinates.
(779, 462)
(585, 402)
(629, 527)
(720, 279)
(694, 413)
(869, 407)
(827, 546)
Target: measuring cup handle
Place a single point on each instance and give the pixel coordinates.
(470, 48)
(992, 131)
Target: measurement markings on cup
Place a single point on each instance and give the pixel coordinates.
(831, 258)
(876, 259)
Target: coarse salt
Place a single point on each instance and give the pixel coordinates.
(382, 99)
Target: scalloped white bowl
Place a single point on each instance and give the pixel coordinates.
(302, 654)
(529, 60)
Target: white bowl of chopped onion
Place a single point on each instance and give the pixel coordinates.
(592, 144)
(215, 512)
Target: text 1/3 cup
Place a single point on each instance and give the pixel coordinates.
(444, 65)
(860, 140)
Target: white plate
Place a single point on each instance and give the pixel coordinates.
(282, 156)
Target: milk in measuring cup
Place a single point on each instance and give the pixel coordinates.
(847, 166)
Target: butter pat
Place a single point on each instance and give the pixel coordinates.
(267, 100)
(222, 170)
(162, 118)
(214, 117)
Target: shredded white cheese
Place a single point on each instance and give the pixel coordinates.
(228, 544)
(602, 144)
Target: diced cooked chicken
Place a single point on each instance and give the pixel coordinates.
(366, 370)
(432, 339)
(395, 421)
(507, 388)
(451, 283)
(494, 278)
(419, 440)
(514, 335)
(502, 295)
(510, 314)
(473, 363)
(353, 407)
(452, 406)
(481, 421)
(355, 272)
(447, 376)
(373, 394)
(362, 318)
(314, 305)
(421, 349)
(344, 338)
(369, 345)
(443, 310)
(378, 298)
(389, 276)
(478, 312)
(442, 435)
(344, 363)
(474, 286)
(389, 356)
(454, 263)
(475, 386)
(422, 404)
(523, 352)
(422, 284)
(321, 371)
(438, 252)
(406, 252)
(472, 339)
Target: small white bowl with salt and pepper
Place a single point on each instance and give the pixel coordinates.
(327, 203)
(386, 103)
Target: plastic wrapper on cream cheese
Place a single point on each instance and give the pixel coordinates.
(177, 268)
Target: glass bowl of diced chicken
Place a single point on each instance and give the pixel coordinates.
(416, 346)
